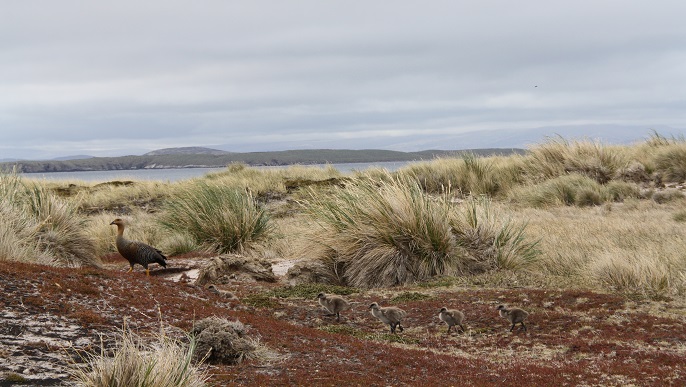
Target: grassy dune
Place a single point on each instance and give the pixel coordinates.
(565, 215)
(608, 217)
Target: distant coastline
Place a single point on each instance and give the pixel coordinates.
(173, 159)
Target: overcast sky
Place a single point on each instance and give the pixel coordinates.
(126, 77)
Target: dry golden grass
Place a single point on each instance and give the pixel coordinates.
(466, 176)
(600, 212)
(634, 247)
(140, 226)
(261, 181)
(557, 157)
(40, 227)
(135, 362)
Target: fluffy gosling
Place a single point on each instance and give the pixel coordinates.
(333, 304)
(389, 315)
(221, 292)
(451, 317)
(514, 316)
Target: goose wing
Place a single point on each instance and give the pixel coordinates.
(146, 254)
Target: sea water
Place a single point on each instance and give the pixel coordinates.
(176, 174)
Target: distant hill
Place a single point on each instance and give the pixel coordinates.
(74, 157)
(172, 159)
(188, 150)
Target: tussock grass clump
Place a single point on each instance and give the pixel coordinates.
(134, 362)
(671, 163)
(557, 157)
(61, 231)
(383, 234)
(392, 233)
(18, 237)
(40, 227)
(470, 175)
(490, 242)
(647, 276)
(573, 190)
(220, 218)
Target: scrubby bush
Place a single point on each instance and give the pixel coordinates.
(220, 218)
(392, 233)
(222, 341)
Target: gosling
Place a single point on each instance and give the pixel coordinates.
(222, 292)
(333, 304)
(389, 315)
(514, 316)
(452, 318)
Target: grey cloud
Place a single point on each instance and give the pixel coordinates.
(88, 74)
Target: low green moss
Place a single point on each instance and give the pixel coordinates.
(362, 335)
(310, 291)
(441, 282)
(394, 338)
(14, 378)
(410, 296)
(679, 216)
(260, 300)
(345, 330)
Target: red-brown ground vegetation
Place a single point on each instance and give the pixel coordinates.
(574, 337)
